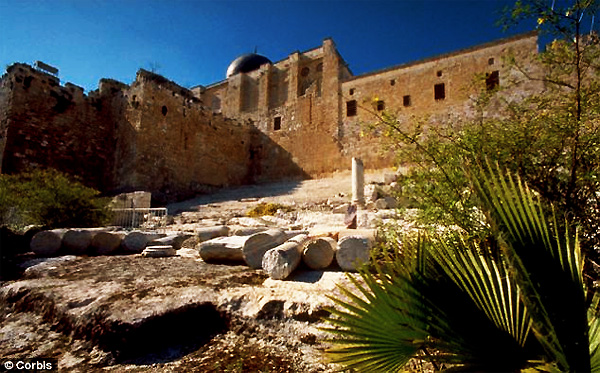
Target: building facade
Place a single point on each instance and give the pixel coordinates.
(299, 117)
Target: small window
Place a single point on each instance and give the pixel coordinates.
(164, 110)
(304, 71)
(492, 80)
(491, 61)
(393, 82)
(439, 73)
(439, 91)
(351, 91)
(380, 105)
(351, 108)
(276, 123)
(406, 100)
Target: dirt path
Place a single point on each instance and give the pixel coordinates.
(336, 188)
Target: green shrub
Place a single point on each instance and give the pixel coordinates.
(49, 198)
(264, 208)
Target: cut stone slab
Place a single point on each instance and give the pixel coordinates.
(159, 251)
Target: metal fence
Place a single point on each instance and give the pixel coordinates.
(140, 218)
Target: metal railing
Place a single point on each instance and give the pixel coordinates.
(140, 218)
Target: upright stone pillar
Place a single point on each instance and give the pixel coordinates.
(358, 182)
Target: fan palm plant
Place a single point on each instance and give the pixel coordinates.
(465, 304)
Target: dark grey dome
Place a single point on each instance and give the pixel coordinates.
(246, 63)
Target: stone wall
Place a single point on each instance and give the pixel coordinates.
(179, 145)
(151, 135)
(43, 124)
(410, 91)
(286, 120)
(296, 109)
(301, 102)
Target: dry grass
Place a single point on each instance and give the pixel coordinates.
(265, 208)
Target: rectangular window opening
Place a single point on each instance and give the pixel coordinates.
(492, 80)
(439, 91)
(380, 105)
(406, 100)
(351, 108)
(276, 123)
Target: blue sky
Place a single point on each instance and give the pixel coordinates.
(193, 42)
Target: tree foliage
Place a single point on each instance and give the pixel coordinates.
(51, 199)
(550, 137)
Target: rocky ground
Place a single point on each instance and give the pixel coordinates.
(130, 313)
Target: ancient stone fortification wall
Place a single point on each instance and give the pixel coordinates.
(45, 124)
(295, 105)
(311, 106)
(153, 135)
(299, 117)
(440, 87)
(178, 145)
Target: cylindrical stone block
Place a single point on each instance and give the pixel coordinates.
(136, 241)
(259, 243)
(47, 243)
(175, 240)
(77, 241)
(248, 231)
(223, 249)
(358, 182)
(281, 261)
(208, 233)
(352, 252)
(319, 252)
(105, 243)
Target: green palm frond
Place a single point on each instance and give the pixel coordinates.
(537, 257)
(487, 283)
(594, 328)
(399, 312)
(372, 328)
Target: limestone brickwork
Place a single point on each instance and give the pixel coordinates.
(45, 124)
(299, 117)
(409, 90)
